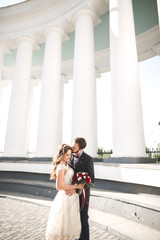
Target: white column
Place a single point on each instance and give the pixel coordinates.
(17, 132)
(1, 92)
(84, 120)
(30, 113)
(1, 66)
(63, 81)
(49, 128)
(3, 49)
(1, 60)
(1, 89)
(128, 133)
(158, 6)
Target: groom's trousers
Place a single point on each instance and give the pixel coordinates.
(84, 221)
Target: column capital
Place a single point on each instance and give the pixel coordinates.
(35, 82)
(28, 39)
(57, 28)
(97, 73)
(64, 78)
(4, 83)
(86, 11)
(4, 47)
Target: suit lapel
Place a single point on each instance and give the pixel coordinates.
(80, 160)
(70, 163)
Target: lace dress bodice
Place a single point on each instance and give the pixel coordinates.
(69, 172)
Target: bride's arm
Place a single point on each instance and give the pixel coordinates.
(60, 185)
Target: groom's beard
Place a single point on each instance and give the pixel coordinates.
(76, 151)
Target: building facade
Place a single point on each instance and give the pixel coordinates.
(54, 41)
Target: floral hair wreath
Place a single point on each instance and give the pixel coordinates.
(62, 149)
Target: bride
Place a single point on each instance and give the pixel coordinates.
(64, 219)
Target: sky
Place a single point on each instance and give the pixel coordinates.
(5, 3)
(149, 72)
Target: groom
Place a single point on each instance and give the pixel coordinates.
(82, 162)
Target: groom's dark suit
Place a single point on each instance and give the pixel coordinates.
(84, 164)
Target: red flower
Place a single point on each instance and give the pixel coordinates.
(82, 177)
(74, 179)
(88, 180)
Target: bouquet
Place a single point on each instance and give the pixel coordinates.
(82, 178)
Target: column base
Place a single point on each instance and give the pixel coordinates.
(129, 160)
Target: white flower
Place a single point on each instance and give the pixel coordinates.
(83, 173)
(79, 178)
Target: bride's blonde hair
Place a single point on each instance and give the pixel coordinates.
(61, 151)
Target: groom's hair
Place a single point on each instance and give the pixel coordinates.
(81, 142)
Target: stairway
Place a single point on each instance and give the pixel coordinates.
(125, 200)
(129, 216)
(140, 208)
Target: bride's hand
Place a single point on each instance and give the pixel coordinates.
(80, 186)
(70, 192)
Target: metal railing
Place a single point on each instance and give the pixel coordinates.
(152, 152)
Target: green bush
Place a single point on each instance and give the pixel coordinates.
(104, 154)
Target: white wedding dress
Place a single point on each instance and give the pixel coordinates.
(64, 218)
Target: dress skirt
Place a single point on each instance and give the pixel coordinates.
(64, 219)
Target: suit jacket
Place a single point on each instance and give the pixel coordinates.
(84, 164)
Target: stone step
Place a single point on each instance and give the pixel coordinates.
(140, 208)
(123, 228)
(36, 187)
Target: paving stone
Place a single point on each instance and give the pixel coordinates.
(25, 220)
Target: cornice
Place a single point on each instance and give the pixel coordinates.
(146, 42)
(34, 16)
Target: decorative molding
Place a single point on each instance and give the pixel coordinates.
(88, 10)
(64, 79)
(156, 48)
(5, 47)
(97, 73)
(57, 28)
(28, 38)
(107, 1)
(145, 43)
(22, 19)
(148, 45)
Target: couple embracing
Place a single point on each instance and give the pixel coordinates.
(68, 218)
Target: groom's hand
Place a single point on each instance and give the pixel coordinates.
(70, 192)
